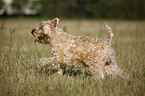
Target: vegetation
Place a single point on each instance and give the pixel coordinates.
(114, 9)
(19, 56)
(118, 9)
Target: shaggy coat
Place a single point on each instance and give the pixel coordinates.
(75, 51)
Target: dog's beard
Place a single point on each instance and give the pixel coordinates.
(40, 38)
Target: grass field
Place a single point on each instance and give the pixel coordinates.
(19, 56)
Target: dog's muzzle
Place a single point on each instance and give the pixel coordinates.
(33, 32)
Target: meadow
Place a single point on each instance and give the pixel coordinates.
(19, 56)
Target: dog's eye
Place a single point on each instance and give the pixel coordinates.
(40, 27)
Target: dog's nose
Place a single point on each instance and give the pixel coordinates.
(33, 31)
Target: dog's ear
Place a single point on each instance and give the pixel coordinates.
(54, 22)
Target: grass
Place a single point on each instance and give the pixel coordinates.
(19, 57)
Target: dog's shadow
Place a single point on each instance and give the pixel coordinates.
(69, 72)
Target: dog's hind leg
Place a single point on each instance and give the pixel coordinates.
(112, 68)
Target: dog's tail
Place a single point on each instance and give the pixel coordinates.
(108, 28)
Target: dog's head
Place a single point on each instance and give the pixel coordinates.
(44, 31)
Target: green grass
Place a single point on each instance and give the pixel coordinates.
(19, 56)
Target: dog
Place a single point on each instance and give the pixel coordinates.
(70, 51)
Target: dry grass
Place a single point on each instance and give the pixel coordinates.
(19, 56)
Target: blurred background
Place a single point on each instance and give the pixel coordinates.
(112, 9)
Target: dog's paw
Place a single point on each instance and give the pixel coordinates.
(41, 64)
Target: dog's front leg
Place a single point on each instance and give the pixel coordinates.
(50, 63)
